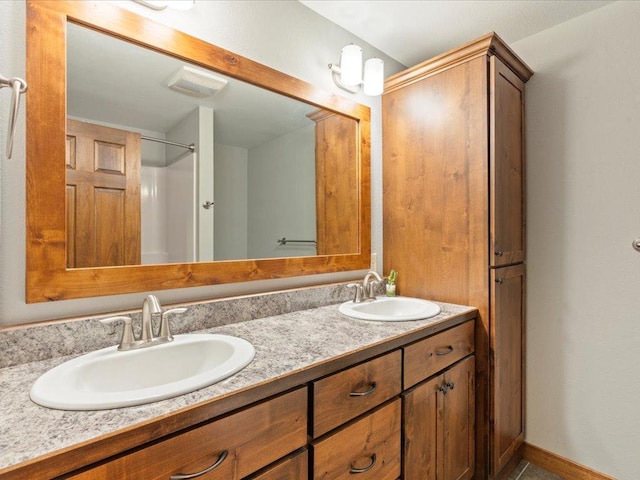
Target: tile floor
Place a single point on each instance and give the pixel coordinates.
(528, 471)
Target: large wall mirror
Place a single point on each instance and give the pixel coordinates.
(156, 160)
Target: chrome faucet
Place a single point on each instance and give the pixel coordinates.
(364, 292)
(368, 284)
(150, 307)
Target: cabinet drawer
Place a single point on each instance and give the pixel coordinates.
(251, 438)
(347, 394)
(369, 447)
(292, 468)
(427, 357)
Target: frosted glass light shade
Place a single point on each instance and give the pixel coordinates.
(351, 65)
(373, 76)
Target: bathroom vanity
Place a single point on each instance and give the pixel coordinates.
(327, 397)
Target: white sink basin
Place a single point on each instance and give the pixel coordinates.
(391, 309)
(109, 378)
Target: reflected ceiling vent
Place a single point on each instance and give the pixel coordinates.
(196, 83)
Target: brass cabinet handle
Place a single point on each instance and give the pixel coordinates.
(450, 385)
(500, 280)
(186, 476)
(446, 351)
(442, 389)
(365, 469)
(499, 253)
(372, 388)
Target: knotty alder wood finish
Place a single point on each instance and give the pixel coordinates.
(240, 443)
(47, 275)
(439, 422)
(346, 395)
(453, 184)
(294, 468)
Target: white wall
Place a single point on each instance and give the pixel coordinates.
(282, 195)
(231, 197)
(282, 34)
(583, 196)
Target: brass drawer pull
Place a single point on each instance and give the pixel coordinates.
(365, 469)
(185, 476)
(372, 388)
(447, 351)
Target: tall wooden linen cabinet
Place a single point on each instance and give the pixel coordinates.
(454, 228)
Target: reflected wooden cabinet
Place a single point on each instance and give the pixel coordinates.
(336, 183)
(453, 184)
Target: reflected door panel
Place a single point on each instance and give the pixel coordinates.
(103, 196)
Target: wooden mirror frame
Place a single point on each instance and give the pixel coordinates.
(47, 277)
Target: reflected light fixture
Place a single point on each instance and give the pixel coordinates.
(348, 75)
(163, 4)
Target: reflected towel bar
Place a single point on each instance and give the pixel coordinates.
(284, 241)
(191, 147)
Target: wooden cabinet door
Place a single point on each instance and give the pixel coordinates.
(439, 426)
(507, 364)
(422, 427)
(103, 196)
(507, 166)
(458, 420)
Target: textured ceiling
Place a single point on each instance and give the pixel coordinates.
(414, 31)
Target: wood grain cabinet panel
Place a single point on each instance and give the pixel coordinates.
(240, 444)
(347, 394)
(453, 183)
(439, 426)
(427, 357)
(295, 467)
(507, 166)
(367, 449)
(507, 308)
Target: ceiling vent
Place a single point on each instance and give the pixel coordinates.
(196, 83)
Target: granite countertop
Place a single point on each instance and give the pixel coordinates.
(284, 344)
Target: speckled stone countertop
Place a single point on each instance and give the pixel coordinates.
(284, 344)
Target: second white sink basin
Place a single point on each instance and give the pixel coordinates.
(109, 378)
(391, 309)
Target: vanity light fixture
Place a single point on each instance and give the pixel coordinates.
(163, 4)
(348, 75)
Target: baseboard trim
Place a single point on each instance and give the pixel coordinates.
(561, 466)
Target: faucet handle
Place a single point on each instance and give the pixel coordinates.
(127, 332)
(359, 292)
(165, 332)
